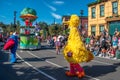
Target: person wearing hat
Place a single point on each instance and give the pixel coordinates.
(12, 44)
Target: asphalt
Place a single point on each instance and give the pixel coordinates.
(4, 73)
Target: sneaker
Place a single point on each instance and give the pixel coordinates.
(114, 58)
(99, 55)
(68, 73)
(80, 74)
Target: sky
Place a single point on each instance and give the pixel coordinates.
(47, 10)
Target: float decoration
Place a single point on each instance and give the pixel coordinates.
(28, 15)
(28, 39)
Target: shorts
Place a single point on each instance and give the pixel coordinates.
(103, 50)
(57, 43)
(115, 46)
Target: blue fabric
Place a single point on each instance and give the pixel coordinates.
(12, 57)
(13, 49)
(115, 42)
(95, 53)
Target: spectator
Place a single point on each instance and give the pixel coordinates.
(118, 53)
(96, 50)
(116, 31)
(58, 46)
(103, 47)
(1, 37)
(114, 44)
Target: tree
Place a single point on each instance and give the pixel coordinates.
(3, 27)
(44, 27)
(18, 26)
(55, 29)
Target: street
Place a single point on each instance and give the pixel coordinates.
(45, 64)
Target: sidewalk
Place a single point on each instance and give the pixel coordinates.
(108, 58)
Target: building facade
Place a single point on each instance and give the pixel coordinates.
(83, 27)
(103, 14)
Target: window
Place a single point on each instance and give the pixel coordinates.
(93, 30)
(101, 28)
(93, 12)
(115, 7)
(101, 10)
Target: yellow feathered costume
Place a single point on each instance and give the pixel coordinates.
(75, 51)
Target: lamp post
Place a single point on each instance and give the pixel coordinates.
(54, 21)
(81, 14)
(15, 19)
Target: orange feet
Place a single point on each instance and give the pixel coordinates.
(68, 73)
(80, 74)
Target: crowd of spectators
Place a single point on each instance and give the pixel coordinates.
(3, 39)
(104, 45)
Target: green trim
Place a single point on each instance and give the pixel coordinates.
(96, 2)
(27, 27)
(92, 3)
(26, 34)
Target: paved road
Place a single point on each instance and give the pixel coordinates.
(44, 64)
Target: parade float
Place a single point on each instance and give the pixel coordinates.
(28, 37)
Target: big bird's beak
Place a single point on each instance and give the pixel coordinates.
(66, 24)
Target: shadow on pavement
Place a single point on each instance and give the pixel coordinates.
(99, 70)
(4, 56)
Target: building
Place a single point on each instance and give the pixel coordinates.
(103, 14)
(83, 20)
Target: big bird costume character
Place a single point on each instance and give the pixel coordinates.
(74, 50)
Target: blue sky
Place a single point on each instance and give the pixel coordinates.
(47, 10)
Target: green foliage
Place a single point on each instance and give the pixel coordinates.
(55, 29)
(43, 25)
(18, 26)
(44, 28)
(7, 28)
(52, 29)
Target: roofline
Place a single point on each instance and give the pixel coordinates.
(79, 16)
(96, 2)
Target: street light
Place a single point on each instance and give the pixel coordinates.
(54, 21)
(81, 14)
(15, 19)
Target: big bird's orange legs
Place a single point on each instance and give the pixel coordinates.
(75, 70)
